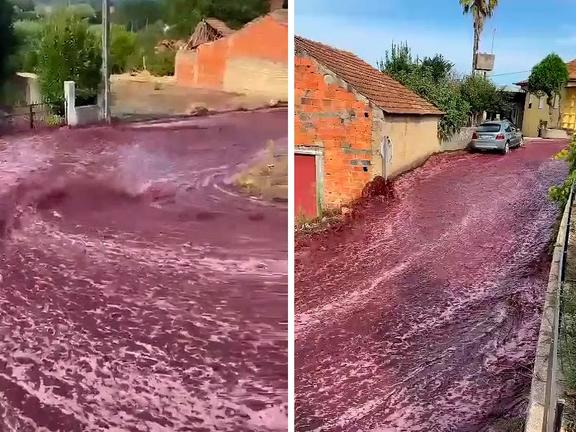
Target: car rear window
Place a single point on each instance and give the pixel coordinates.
(489, 127)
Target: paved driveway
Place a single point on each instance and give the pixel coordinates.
(423, 316)
(140, 292)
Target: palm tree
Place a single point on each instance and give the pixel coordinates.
(480, 11)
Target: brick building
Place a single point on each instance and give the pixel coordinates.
(344, 111)
(252, 60)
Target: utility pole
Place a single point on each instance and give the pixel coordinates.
(105, 58)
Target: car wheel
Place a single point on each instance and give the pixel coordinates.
(506, 148)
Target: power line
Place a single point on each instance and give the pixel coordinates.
(510, 73)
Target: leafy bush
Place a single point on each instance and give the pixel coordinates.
(146, 57)
(123, 44)
(161, 64)
(433, 79)
(68, 51)
(561, 193)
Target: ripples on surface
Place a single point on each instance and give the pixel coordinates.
(140, 291)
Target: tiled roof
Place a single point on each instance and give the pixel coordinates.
(385, 92)
(572, 69)
(219, 26)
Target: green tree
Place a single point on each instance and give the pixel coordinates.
(28, 35)
(480, 10)
(24, 5)
(183, 15)
(548, 77)
(7, 38)
(432, 79)
(123, 44)
(137, 14)
(398, 62)
(237, 13)
(439, 67)
(481, 94)
(68, 51)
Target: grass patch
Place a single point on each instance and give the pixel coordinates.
(568, 353)
(509, 425)
(307, 225)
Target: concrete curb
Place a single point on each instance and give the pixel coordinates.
(544, 389)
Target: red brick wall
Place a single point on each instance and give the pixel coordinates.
(263, 39)
(329, 116)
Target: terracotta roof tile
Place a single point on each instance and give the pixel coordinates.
(379, 88)
(219, 26)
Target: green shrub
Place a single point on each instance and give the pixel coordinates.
(68, 51)
(123, 44)
(560, 193)
(432, 78)
(161, 64)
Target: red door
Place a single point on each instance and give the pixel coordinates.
(305, 199)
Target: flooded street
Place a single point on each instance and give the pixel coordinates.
(140, 291)
(424, 314)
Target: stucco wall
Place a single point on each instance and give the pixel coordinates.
(414, 138)
(331, 115)
(256, 76)
(569, 109)
(251, 60)
(536, 110)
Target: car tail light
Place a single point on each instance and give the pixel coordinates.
(500, 136)
(474, 135)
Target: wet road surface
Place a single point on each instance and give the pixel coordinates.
(423, 315)
(140, 291)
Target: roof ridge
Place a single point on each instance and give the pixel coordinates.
(328, 46)
(380, 88)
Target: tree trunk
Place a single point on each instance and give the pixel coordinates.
(560, 109)
(476, 47)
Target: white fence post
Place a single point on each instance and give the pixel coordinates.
(70, 103)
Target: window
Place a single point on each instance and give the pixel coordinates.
(508, 128)
(541, 102)
(489, 127)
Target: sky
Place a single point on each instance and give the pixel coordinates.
(525, 30)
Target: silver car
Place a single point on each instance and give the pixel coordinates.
(499, 135)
